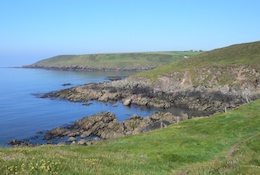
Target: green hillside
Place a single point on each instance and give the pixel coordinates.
(236, 55)
(120, 60)
(198, 146)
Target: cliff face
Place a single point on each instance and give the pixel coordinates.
(236, 77)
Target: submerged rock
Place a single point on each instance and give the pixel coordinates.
(87, 104)
(66, 84)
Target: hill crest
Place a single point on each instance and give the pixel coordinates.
(234, 60)
(118, 61)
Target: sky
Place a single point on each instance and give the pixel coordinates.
(33, 30)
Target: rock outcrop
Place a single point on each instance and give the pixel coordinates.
(104, 125)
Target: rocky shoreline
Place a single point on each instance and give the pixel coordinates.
(104, 125)
(200, 98)
(175, 90)
(88, 69)
(91, 129)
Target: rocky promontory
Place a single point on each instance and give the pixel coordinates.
(104, 125)
(165, 93)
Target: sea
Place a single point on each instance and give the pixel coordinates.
(23, 114)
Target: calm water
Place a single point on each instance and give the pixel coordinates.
(22, 114)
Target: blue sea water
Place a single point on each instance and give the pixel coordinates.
(22, 114)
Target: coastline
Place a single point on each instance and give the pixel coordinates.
(139, 92)
(88, 69)
(211, 89)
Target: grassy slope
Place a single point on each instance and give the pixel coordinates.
(240, 54)
(197, 145)
(120, 60)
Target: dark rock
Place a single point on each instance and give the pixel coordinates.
(39, 132)
(16, 142)
(87, 104)
(66, 84)
(49, 142)
(57, 132)
(115, 78)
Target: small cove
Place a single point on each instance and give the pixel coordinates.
(23, 114)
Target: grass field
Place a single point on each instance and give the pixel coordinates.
(119, 60)
(197, 146)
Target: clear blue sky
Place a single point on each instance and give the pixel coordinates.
(32, 30)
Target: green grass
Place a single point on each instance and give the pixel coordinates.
(198, 145)
(235, 55)
(119, 60)
(245, 160)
